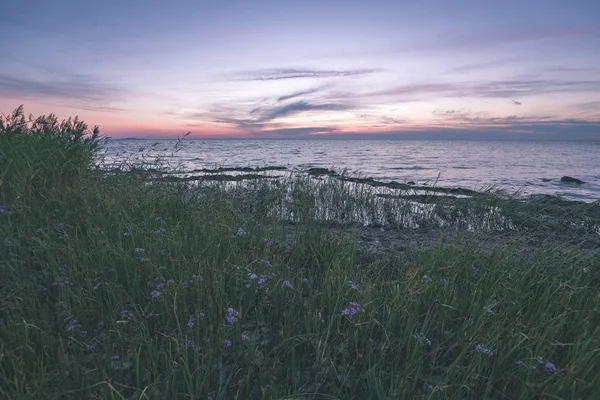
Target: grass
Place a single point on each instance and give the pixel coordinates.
(119, 285)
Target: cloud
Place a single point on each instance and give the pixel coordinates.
(73, 90)
(300, 132)
(516, 103)
(299, 93)
(518, 87)
(490, 38)
(271, 113)
(295, 73)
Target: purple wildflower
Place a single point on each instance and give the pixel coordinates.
(248, 286)
(244, 337)
(354, 286)
(101, 324)
(170, 281)
(125, 314)
(427, 278)
(74, 324)
(421, 337)
(191, 321)
(286, 284)
(89, 347)
(115, 357)
(261, 282)
(139, 250)
(305, 281)
(480, 348)
(252, 276)
(488, 309)
(550, 368)
(126, 234)
(232, 315)
(155, 294)
(227, 343)
(160, 231)
(240, 232)
(353, 309)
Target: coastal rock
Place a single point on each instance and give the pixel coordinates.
(569, 179)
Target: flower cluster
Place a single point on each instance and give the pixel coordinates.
(353, 309)
(232, 316)
(480, 348)
(286, 284)
(354, 286)
(422, 338)
(126, 314)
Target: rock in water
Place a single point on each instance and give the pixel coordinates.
(569, 179)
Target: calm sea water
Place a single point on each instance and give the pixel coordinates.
(529, 167)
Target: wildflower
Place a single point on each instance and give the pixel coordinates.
(83, 333)
(262, 281)
(354, 286)
(139, 250)
(353, 309)
(89, 347)
(474, 271)
(202, 314)
(422, 338)
(101, 324)
(266, 262)
(160, 231)
(550, 368)
(305, 281)
(227, 343)
(248, 286)
(74, 324)
(480, 348)
(59, 226)
(44, 290)
(286, 284)
(125, 314)
(489, 310)
(126, 234)
(252, 276)
(427, 278)
(115, 357)
(232, 315)
(190, 343)
(155, 294)
(240, 232)
(158, 219)
(191, 321)
(244, 337)
(170, 281)
(211, 396)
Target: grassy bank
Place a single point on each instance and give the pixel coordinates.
(123, 286)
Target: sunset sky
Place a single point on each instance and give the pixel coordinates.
(312, 68)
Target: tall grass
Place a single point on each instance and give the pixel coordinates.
(115, 286)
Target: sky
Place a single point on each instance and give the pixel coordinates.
(418, 69)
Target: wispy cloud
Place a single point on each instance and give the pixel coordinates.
(300, 93)
(270, 113)
(519, 87)
(295, 73)
(300, 132)
(490, 38)
(72, 90)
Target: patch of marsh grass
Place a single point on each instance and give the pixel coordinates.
(116, 286)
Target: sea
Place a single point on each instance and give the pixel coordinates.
(522, 168)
